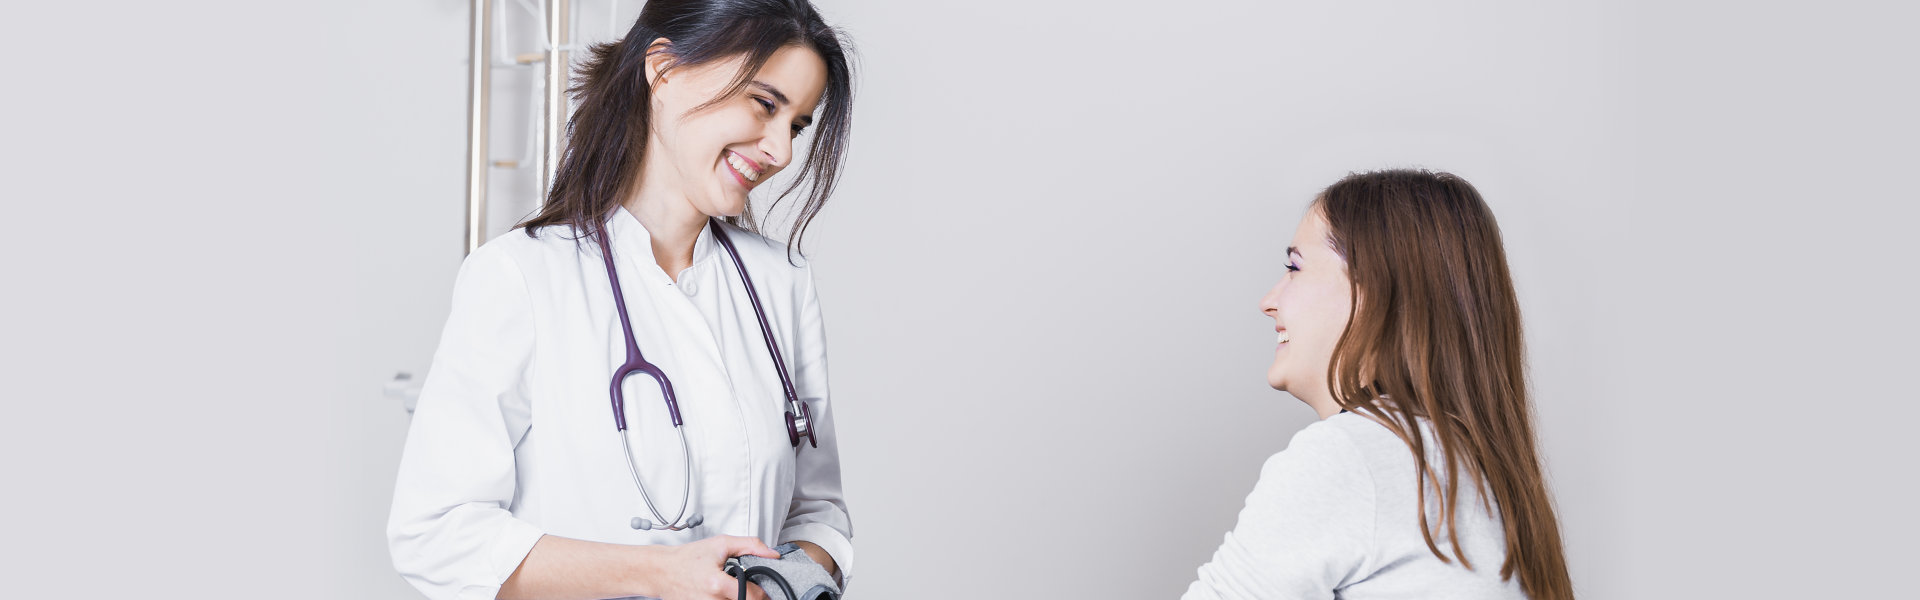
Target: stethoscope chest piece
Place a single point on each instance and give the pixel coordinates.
(801, 425)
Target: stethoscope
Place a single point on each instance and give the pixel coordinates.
(799, 417)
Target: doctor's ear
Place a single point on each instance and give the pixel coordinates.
(659, 60)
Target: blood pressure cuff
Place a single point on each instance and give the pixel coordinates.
(794, 571)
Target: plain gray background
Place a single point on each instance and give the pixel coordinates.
(230, 222)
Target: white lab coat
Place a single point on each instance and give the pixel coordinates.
(514, 435)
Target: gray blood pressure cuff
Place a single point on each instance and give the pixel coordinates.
(794, 576)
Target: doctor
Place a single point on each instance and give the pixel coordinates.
(516, 481)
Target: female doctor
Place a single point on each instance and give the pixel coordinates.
(525, 474)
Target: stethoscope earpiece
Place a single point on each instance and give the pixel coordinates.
(643, 524)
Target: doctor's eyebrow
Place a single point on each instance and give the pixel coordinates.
(1295, 251)
(781, 98)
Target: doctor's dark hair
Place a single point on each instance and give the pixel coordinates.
(1435, 334)
(607, 134)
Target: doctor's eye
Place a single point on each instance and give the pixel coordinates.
(798, 129)
(1291, 268)
(764, 104)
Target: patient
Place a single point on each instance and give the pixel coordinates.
(1398, 325)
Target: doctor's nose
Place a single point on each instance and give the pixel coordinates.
(777, 148)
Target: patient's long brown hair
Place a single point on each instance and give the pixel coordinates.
(1435, 334)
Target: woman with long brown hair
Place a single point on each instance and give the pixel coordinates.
(642, 288)
(1398, 324)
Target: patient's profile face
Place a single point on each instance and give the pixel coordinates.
(1310, 307)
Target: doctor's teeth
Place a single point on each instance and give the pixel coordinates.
(1284, 338)
(743, 168)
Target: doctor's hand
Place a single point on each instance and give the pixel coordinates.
(693, 571)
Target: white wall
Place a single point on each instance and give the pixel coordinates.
(233, 221)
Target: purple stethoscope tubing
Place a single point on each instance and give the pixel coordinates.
(799, 416)
(636, 362)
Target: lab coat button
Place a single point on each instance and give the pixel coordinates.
(687, 287)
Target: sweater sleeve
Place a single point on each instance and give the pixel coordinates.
(1306, 528)
(450, 531)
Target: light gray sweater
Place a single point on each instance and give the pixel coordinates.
(1334, 516)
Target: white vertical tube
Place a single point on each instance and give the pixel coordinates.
(481, 59)
(559, 32)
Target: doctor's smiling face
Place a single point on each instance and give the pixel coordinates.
(1310, 307)
(713, 148)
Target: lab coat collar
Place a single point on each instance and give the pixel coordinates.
(632, 239)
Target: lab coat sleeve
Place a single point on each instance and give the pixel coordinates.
(1306, 528)
(449, 531)
(818, 513)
